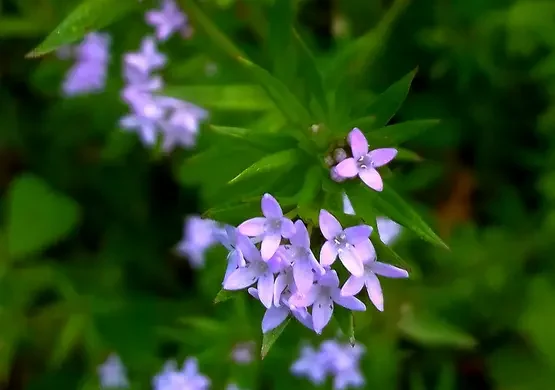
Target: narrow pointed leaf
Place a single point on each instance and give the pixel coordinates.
(225, 295)
(70, 336)
(202, 22)
(223, 97)
(277, 161)
(268, 339)
(90, 15)
(346, 321)
(311, 187)
(283, 98)
(264, 140)
(401, 132)
(407, 155)
(390, 204)
(384, 107)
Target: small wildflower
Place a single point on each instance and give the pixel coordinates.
(166, 20)
(243, 353)
(304, 262)
(112, 374)
(271, 227)
(342, 242)
(198, 236)
(188, 378)
(364, 162)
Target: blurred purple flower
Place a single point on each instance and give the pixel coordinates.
(166, 20)
(112, 374)
(188, 378)
(341, 361)
(342, 242)
(322, 296)
(89, 73)
(198, 236)
(243, 353)
(354, 284)
(139, 65)
(271, 227)
(364, 162)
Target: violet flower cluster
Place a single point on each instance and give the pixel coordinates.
(362, 163)
(88, 74)
(289, 279)
(155, 117)
(332, 359)
(199, 235)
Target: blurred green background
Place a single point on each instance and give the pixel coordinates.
(106, 277)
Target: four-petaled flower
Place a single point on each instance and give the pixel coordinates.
(354, 284)
(364, 163)
(271, 227)
(322, 296)
(342, 242)
(166, 20)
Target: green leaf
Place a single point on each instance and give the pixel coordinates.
(264, 140)
(203, 23)
(90, 15)
(430, 331)
(269, 338)
(384, 107)
(390, 204)
(223, 97)
(277, 161)
(37, 216)
(311, 187)
(283, 98)
(346, 322)
(70, 336)
(407, 155)
(355, 57)
(401, 132)
(225, 295)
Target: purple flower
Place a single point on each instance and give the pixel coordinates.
(166, 20)
(271, 227)
(354, 284)
(275, 315)
(138, 65)
(364, 163)
(243, 353)
(112, 374)
(312, 364)
(88, 74)
(188, 378)
(322, 296)
(342, 242)
(304, 262)
(255, 271)
(230, 239)
(198, 236)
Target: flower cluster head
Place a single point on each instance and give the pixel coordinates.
(112, 374)
(152, 115)
(189, 377)
(88, 74)
(340, 361)
(363, 162)
(199, 235)
(289, 279)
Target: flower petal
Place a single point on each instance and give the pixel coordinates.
(389, 230)
(303, 275)
(352, 286)
(365, 251)
(351, 261)
(374, 290)
(300, 238)
(273, 318)
(347, 168)
(351, 303)
(253, 292)
(287, 227)
(321, 313)
(300, 300)
(329, 225)
(358, 142)
(266, 289)
(270, 245)
(234, 259)
(252, 227)
(279, 286)
(347, 205)
(249, 250)
(303, 317)
(371, 178)
(271, 207)
(329, 279)
(328, 254)
(357, 234)
(241, 278)
(381, 157)
(389, 271)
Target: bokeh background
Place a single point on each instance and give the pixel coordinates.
(479, 316)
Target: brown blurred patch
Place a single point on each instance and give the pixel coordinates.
(457, 208)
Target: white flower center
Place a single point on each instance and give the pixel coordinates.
(273, 225)
(341, 242)
(365, 162)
